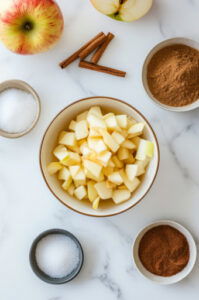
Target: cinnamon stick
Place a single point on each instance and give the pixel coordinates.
(100, 51)
(103, 69)
(92, 46)
(75, 55)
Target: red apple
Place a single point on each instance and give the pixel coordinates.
(30, 26)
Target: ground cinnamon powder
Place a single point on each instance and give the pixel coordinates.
(173, 75)
(164, 251)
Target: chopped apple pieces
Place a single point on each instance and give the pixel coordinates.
(81, 130)
(120, 196)
(101, 157)
(54, 167)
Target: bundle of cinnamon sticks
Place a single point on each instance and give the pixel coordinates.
(98, 44)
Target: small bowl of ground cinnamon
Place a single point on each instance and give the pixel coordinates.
(164, 252)
(171, 74)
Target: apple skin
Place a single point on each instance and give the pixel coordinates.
(30, 26)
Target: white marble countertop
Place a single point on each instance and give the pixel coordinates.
(26, 205)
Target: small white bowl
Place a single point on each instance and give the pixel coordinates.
(180, 40)
(49, 142)
(21, 85)
(160, 279)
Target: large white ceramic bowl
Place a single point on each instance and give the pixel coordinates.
(60, 123)
(160, 279)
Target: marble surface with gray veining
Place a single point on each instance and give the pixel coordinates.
(26, 205)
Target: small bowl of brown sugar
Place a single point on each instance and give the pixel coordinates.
(171, 74)
(164, 252)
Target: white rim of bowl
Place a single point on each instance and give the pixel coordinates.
(21, 85)
(178, 40)
(171, 279)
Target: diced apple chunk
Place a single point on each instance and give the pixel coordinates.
(120, 196)
(91, 176)
(85, 150)
(109, 141)
(128, 144)
(116, 178)
(94, 168)
(103, 191)
(118, 163)
(122, 121)
(95, 121)
(110, 185)
(131, 171)
(123, 153)
(71, 189)
(136, 129)
(92, 193)
(72, 125)
(74, 170)
(118, 137)
(94, 132)
(81, 130)
(95, 110)
(80, 192)
(108, 171)
(68, 139)
(96, 144)
(82, 116)
(136, 141)
(64, 174)
(54, 167)
(142, 164)
(80, 177)
(104, 157)
(71, 159)
(96, 203)
(111, 121)
(60, 152)
(131, 185)
(130, 122)
(67, 183)
(130, 159)
(145, 149)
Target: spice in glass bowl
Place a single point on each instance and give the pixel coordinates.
(164, 251)
(173, 75)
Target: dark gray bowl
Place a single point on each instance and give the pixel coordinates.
(44, 276)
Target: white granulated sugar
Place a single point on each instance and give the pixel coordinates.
(57, 255)
(18, 110)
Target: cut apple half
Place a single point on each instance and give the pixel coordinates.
(123, 10)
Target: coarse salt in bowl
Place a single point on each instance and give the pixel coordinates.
(56, 256)
(19, 108)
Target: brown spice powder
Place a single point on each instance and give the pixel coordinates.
(164, 251)
(173, 75)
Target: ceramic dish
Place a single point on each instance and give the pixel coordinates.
(50, 141)
(44, 276)
(18, 84)
(159, 46)
(159, 279)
